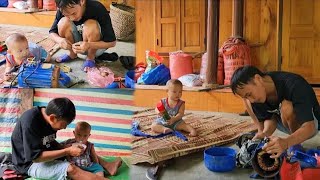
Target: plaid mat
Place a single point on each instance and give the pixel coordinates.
(212, 128)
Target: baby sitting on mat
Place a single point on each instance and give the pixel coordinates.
(89, 160)
(19, 50)
(174, 107)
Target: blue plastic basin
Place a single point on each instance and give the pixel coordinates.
(129, 79)
(220, 159)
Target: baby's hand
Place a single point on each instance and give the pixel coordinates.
(170, 121)
(8, 76)
(160, 114)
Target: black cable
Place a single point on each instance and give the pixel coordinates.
(16, 76)
(25, 79)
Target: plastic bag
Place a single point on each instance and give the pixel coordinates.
(156, 76)
(21, 5)
(100, 77)
(191, 80)
(153, 60)
(4, 3)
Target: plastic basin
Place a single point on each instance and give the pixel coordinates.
(220, 159)
(129, 79)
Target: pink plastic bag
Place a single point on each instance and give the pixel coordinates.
(100, 77)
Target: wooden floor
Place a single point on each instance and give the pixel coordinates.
(25, 18)
(222, 100)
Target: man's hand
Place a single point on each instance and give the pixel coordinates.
(276, 146)
(80, 47)
(75, 150)
(259, 135)
(65, 44)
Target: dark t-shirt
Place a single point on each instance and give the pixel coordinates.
(31, 135)
(96, 11)
(294, 88)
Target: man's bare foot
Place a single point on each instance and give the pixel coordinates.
(111, 167)
(193, 133)
(167, 130)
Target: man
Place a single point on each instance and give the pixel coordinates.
(280, 100)
(36, 152)
(82, 26)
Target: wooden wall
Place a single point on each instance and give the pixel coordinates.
(145, 28)
(260, 29)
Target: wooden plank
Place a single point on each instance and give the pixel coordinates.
(39, 19)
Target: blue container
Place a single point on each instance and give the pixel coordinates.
(35, 76)
(113, 85)
(220, 159)
(129, 79)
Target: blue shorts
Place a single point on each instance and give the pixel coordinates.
(77, 36)
(162, 122)
(49, 170)
(94, 168)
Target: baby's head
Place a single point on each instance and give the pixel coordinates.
(17, 45)
(82, 131)
(174, 89)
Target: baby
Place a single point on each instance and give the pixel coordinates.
(175, 108)
(88, 161)
(19, 50)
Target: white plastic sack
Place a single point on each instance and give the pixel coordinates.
(191, 80)
(21, 5)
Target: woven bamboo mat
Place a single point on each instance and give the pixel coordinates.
(36, 35)
(213, 130)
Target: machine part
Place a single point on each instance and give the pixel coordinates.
(264, 165)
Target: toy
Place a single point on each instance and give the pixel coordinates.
(163, 111)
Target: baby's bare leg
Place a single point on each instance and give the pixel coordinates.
(182, 126)
(157, 128)
(100, 174)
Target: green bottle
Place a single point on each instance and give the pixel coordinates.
(163, 110)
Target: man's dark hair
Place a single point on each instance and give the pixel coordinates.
(243, 76)
(63, 108)
(61, 4)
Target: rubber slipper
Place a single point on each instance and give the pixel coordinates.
(64, 58)
(109, 57)
(88, 64)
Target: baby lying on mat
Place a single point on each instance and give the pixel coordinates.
(19, 50)
(89, 160)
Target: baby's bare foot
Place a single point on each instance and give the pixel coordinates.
(167, 130)
(193, 133)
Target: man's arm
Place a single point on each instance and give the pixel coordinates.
(46, 156)
(305, 132)
(248, 106)
(270, 126)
